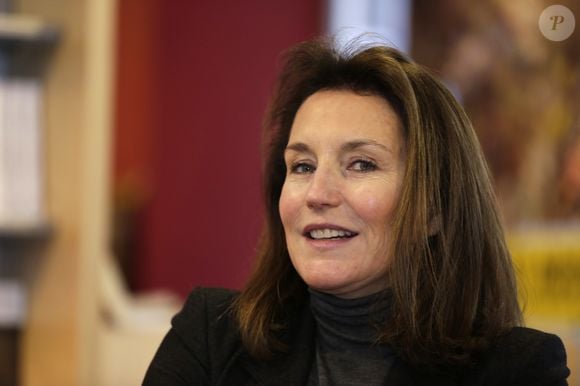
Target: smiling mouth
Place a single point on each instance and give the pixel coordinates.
(329, 234)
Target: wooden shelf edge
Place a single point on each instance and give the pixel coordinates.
(21, 28)
(26, 233)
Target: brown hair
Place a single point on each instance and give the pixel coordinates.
(451, 276)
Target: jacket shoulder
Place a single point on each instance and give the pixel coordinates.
(524, 356)
(206, 325)
(203, 338)
(206, 309)
(210, 300)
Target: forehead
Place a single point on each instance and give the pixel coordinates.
(340, 115)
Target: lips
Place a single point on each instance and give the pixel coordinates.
(328, 232)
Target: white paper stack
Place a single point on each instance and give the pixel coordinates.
(21, 155)
(12, 303)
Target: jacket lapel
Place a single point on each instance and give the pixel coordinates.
(401, 374)
(290, 368)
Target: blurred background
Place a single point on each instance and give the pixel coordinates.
(130, 157)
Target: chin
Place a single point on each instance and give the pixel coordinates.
(323, 283)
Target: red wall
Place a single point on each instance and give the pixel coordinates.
(194, 79)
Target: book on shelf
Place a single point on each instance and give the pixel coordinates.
(12, 303)
(21, 153)
(25, 45)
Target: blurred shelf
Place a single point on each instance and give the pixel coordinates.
(8, 355)
(26, 43)
(12, 303)
(17, 29)
(29, 234)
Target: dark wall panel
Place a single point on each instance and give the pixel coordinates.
(213, 70)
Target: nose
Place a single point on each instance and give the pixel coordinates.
(323, 191)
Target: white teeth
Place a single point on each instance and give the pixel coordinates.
(318, 234)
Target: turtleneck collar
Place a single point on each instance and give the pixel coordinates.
(348, 324)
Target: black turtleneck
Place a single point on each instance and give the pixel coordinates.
(346, 349)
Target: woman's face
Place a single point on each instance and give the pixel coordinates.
(345, 163)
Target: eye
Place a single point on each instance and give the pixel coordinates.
(302, 168)
(362, 165)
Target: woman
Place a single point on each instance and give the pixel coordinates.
(382, 260)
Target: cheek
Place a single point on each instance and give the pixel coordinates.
(287, 206)
(375, 208)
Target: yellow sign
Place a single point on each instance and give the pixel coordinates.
(548, 267)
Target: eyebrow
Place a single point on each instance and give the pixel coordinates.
(298, 147)
(353, 145)
(301, 147)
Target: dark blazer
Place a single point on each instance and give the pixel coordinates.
(203, 348)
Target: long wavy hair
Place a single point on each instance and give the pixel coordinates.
(452, 283)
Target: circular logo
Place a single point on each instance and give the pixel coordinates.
(557, 23)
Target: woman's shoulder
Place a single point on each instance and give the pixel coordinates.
(206, 321)
(529, 342)
(205, 307)
(202, 340)
(525, 356)
(210, 299)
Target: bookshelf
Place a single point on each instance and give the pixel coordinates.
(26, 43)
(56, 344)
(25, 46)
